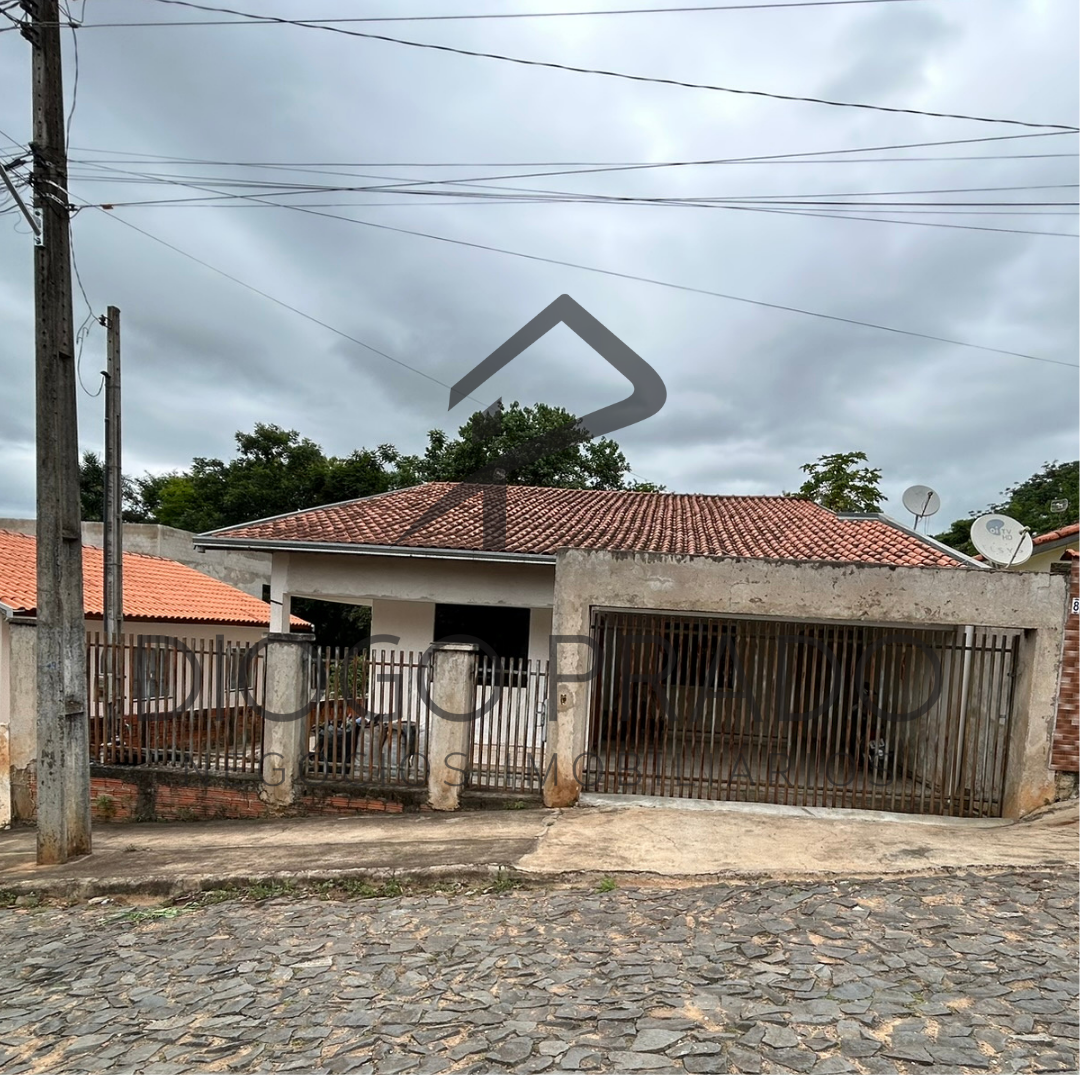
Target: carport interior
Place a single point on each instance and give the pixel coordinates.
(845, 715)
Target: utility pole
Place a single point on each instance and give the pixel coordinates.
(113, 530)
(63, 759)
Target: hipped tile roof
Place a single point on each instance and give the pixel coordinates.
(154, 588)
(540, 521)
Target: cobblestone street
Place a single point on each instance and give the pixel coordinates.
(949, 972)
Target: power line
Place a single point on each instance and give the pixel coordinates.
(601, 165)
(552, 65)
(616, 274)
(816, 207)
(282, 303)
(644, 166)
(687, 9)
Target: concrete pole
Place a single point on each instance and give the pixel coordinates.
(63, 767)
(453, 693)
(113, 519)
(112, 526)
(285, 724)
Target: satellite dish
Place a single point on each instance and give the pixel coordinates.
(921, 501)
(1001, 540)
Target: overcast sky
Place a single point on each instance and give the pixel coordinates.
(753, 392)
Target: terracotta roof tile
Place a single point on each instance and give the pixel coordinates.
(540, 521)
(1058, 534)
(154, 588)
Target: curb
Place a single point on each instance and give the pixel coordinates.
(84, 888)
(167, 887)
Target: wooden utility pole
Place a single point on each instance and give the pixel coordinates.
(113, 537)
(63, 759)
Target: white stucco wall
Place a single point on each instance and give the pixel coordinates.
(360, 579)
(412, 621)
(402, 591)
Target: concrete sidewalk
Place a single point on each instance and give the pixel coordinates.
(687, 840)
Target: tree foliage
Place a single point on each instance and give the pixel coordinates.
(487, 437)
(839, 483)
(1030, 502)
(277, 471)
(92, 491)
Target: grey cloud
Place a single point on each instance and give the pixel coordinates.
(753, 393)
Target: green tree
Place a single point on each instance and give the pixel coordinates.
(488, 436)
(275, 472)
(92, 491)
(1030, 502)
(335, 624)
(839, 483)
(92, 487)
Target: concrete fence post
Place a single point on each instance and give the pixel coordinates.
(450, 721)
(286, 704)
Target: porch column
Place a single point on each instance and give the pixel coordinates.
(569, 671)
(451, 715)
(286, 705)
(280, 598)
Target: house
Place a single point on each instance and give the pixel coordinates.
(1046, 549)
(247, 571)
(162, 600)
(1051, 547)
(424, 579)
(703, 646)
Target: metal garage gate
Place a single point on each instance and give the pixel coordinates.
(801, 714)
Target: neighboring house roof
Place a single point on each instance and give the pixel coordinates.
(1048, 541)
(540, 521)
(154, 588)
(1058, 536)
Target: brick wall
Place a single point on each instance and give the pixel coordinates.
(1065, 755)
(141, 795)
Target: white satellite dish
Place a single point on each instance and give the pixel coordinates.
(1001, 540)
(921, 501)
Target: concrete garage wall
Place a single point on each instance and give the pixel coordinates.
(913, 597)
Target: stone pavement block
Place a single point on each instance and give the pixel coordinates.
(556, 980)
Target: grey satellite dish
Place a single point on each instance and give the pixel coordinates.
(1059, 506)
(921, 501)
(1001, 540)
